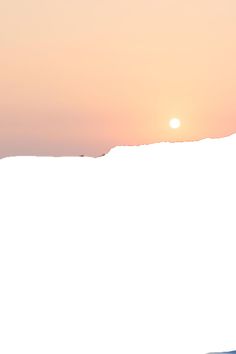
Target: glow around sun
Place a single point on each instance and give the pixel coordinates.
(175, 123)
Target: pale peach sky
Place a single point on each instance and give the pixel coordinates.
(78, 77)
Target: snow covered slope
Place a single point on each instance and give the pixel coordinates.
(133, 252)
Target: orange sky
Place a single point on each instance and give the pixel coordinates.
(78, 77)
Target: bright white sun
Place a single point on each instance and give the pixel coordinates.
(175, 123)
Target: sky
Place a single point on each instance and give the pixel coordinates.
(78, 77)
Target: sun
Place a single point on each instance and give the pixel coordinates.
(175, 123)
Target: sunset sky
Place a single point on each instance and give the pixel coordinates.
(78, 77)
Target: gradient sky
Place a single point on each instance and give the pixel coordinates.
(78, 77)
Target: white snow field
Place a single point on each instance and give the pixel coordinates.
(130, 253)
